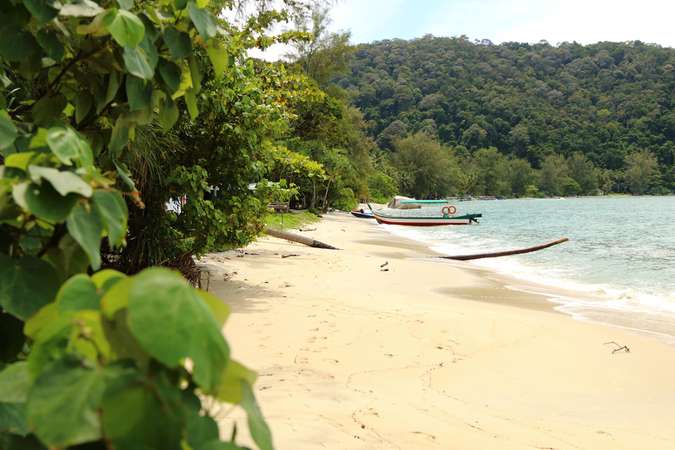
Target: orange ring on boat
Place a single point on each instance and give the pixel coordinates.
(448, 210)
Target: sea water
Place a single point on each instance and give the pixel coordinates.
(617, 268)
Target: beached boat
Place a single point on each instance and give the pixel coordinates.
(361, 214)
(422, 213)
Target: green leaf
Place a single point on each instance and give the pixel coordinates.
(14, 383)
(19, 160)
(191, 103)
(127, 29)
(170, 73)
(112, 209)
(119, 137)
(219, 57)
(141, 413)
(106, 278)
(180, 4)
(168, 113)
(139, 93)
(229, 388)
(43, 201)
(50, 43)
(26, 285)
(63, 404)
(22, 45)
(220, 309)
(68, 258)
(48, 109)
(257, 426)
(42, 10)
(13, 419)
(203, 21)
(83, 103)
(136, 63)
(85, 226)
(178, 42)
(114, 81)
(64, 182)
(81, 8)
(78, 293)
(68, 146)
(201, 430)
(117, 298)
(171, 322)
(8, 132)
(196, 75)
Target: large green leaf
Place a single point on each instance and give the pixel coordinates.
(68, 257)
(119, 136)
(200, 430)
(127, 29)
(171, 74)
(178, 42)
(63, 404)
(139, 413)
(78, 293)
(13, 419)
(112, 209)
(64, 182)
(8, 131)
(229, 388)
(49, 41)
(26, 285)
(14, 383)
(43, 201)
(139, 93)
(219, 57)
(83, 104)
(137, 63)
(47, 110)
(42, 10)
(168, 113)
(203, 21)
(191, 103)
(21, 46)
(85, 226)
(257, 426)
(171, 322)
(69, 147)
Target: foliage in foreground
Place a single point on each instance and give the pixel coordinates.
(101, 361)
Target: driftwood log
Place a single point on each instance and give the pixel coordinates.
(506, 252)
(298, 238)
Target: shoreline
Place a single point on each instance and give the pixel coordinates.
(350, 356)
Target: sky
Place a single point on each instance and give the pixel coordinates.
(584, 21)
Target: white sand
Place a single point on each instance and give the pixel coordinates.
(351, 357)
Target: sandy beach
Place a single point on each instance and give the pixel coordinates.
(429, 354)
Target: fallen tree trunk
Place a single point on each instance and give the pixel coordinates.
(507, 252)
(298, 238)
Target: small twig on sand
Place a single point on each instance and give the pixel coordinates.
(385, 264)
(307, 229)
(289, 255)
(618, 346)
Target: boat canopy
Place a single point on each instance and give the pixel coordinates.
(437, 202)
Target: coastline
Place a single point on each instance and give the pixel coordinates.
(430, 354)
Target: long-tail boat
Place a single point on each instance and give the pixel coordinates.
(422, 213)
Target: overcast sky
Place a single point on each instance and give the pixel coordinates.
(584, 21)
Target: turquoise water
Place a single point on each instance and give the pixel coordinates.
(619, 266)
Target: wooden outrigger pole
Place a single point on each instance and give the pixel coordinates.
(507, 252)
